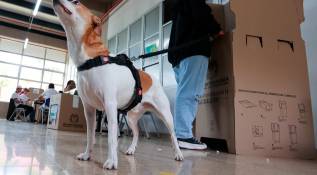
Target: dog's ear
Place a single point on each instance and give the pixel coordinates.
(97, 23)
(96, 20)
(98, 30)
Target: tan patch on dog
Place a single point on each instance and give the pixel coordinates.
(92, 41)
(93, 44)
(146, 81)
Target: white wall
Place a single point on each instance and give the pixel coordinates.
(129, 12)
(309, 31)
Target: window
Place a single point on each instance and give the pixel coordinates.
(152, 23)
(55, 66)
(56, 55)
(34, 51)
(135, 32)
(168, 75)
(112, 45)
(7, 87)
(10, 57)
(34, 68)
(52, 77)
(122, 41)
(32, 62)
(141, 37)
(11, 46)
(166, 35)
(9, 70)
(135, 51)
(151, 45)
(31, 74)
(29, 84)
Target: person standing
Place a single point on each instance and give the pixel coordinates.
(192, 21)
(71, 87)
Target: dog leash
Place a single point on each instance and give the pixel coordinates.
(174, 49)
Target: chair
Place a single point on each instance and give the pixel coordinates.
(122, 121)
(19, 113)
(142, 122)
(45, 109)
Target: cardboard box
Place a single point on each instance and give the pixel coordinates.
(257, 92)
(35, 93)
(66, 113)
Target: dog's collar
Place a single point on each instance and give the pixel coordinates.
(95, 62)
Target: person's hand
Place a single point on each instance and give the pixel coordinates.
(218, 35)
(221, 33)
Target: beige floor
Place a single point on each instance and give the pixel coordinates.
(31, 149)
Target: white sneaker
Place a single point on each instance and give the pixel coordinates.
(191, 143)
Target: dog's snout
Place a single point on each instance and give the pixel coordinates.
(56, 2)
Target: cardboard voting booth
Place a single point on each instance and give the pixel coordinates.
(66, 113)
(257, 94)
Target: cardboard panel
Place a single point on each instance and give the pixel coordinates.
(267, 18)
(217, 100)
(257, 94)
(66, 113)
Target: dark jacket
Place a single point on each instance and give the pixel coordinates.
(192, 20)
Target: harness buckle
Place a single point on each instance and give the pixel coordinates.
(104, 60)
(139, 91)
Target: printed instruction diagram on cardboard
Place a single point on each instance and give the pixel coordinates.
(281, 128)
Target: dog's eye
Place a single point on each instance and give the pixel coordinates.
(76, 2)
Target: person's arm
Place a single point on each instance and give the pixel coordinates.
(14, 97)
(16, 100)
(41, 97)
(23, 99)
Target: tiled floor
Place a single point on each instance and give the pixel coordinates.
(31, 149)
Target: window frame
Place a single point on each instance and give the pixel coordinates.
(143, 39)
(42, 68)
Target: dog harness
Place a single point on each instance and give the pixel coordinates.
(121, 60)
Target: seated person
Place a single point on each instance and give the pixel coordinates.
(23, 101)
(71, 87)
(15, 95)
(46, 96)
(13, 102)
(48, 93)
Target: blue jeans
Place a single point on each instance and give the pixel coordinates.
(190, 76)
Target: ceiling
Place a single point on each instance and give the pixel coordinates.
(16, 14)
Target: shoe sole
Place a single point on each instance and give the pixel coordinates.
(190, 146)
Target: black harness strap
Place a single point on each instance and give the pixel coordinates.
(122, 60)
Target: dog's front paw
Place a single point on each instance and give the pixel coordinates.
(130, 150)
(179, 156)
(110, 164)
(83, 156)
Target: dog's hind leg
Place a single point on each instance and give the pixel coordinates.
(133, 118)
(161, 107)
(90, 115)
(111, 112)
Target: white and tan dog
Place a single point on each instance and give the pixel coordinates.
(109, 87)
